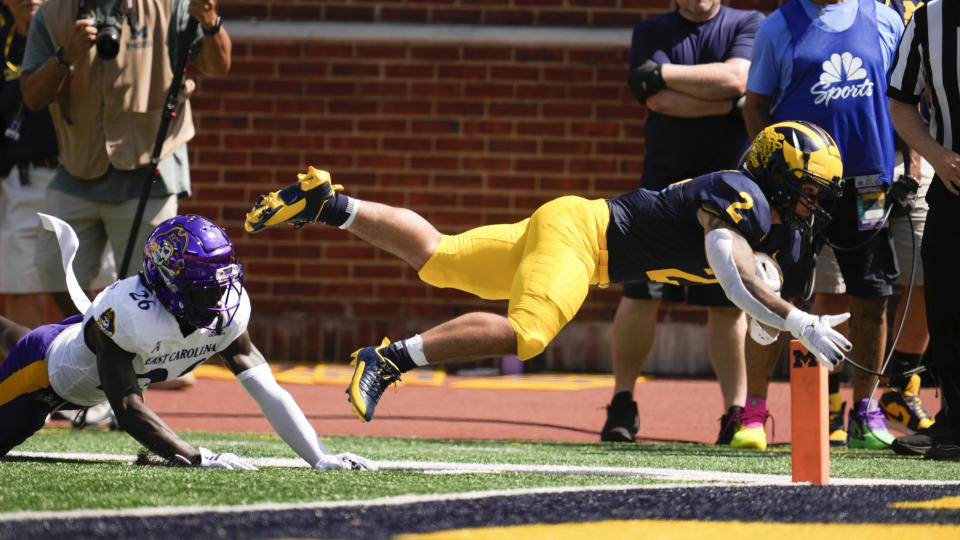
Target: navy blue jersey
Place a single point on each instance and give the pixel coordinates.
(794, 254)
(677, 147)
(657, 236)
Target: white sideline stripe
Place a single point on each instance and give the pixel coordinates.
(443, 467)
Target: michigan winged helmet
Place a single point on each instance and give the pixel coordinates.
(788, 155)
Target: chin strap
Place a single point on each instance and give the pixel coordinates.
(69, 244)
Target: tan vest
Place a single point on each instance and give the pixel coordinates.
(109, 110)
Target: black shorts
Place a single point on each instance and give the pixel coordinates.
(869, 269)
(694, 295)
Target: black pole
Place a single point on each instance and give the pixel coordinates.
(168, 111)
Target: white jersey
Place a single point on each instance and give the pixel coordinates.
(132, 316)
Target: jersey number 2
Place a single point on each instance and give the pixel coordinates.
(733, 209)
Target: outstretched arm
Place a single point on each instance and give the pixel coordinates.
(283, 413)
(731, 259)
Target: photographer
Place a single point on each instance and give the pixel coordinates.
(104, 68)
(28, 158)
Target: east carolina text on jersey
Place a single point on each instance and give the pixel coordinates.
(203, 350)
(657, 235)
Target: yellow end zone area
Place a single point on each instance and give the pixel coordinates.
(682, 530)
(340, 375)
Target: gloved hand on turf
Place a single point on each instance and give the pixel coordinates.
(645, 80)
(818, 336)
(345, 462)
(209, 460)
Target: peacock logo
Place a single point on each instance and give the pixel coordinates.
(843, 77)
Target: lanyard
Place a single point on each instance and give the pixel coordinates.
(12, 71)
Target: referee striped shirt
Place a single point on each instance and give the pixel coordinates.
(928, 57)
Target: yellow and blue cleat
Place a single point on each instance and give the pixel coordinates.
(837, 432)
(903, 409)
(297, 204)
(373, 374)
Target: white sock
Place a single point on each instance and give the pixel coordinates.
(414, 348)
(352, 206)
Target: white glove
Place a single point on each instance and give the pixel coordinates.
(818, 336)
(209, 460)
(345, 462)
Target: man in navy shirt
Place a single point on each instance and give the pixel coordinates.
(689, 69)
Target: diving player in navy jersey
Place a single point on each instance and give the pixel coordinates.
(703, 230)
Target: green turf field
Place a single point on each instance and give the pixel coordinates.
(52, 481)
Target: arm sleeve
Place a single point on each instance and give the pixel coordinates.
(719, 248)
(282, 412)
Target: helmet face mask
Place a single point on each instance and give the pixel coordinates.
(787, 158)
(189, 264)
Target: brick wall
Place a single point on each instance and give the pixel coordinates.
(466, 134)
(605, 13)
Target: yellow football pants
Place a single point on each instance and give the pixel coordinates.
(544, 265)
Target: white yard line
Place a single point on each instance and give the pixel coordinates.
(443, 467)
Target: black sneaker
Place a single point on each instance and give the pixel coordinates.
(730, 423)
(623, 422)
(923, 440)
(944, 452)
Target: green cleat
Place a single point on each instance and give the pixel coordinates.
(865, 427)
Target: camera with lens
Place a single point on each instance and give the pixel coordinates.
(109, 24)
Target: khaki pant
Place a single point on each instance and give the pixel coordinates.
(96, 224)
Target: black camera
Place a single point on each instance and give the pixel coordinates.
(109, 25)
(108, 37)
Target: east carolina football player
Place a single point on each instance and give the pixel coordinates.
(702, 230)
(186, 305)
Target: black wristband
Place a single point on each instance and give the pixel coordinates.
(214, 29)
(58, 56)
(646, 80)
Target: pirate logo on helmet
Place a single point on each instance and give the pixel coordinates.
(166, 253)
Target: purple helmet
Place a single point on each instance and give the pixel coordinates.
(188, 263)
